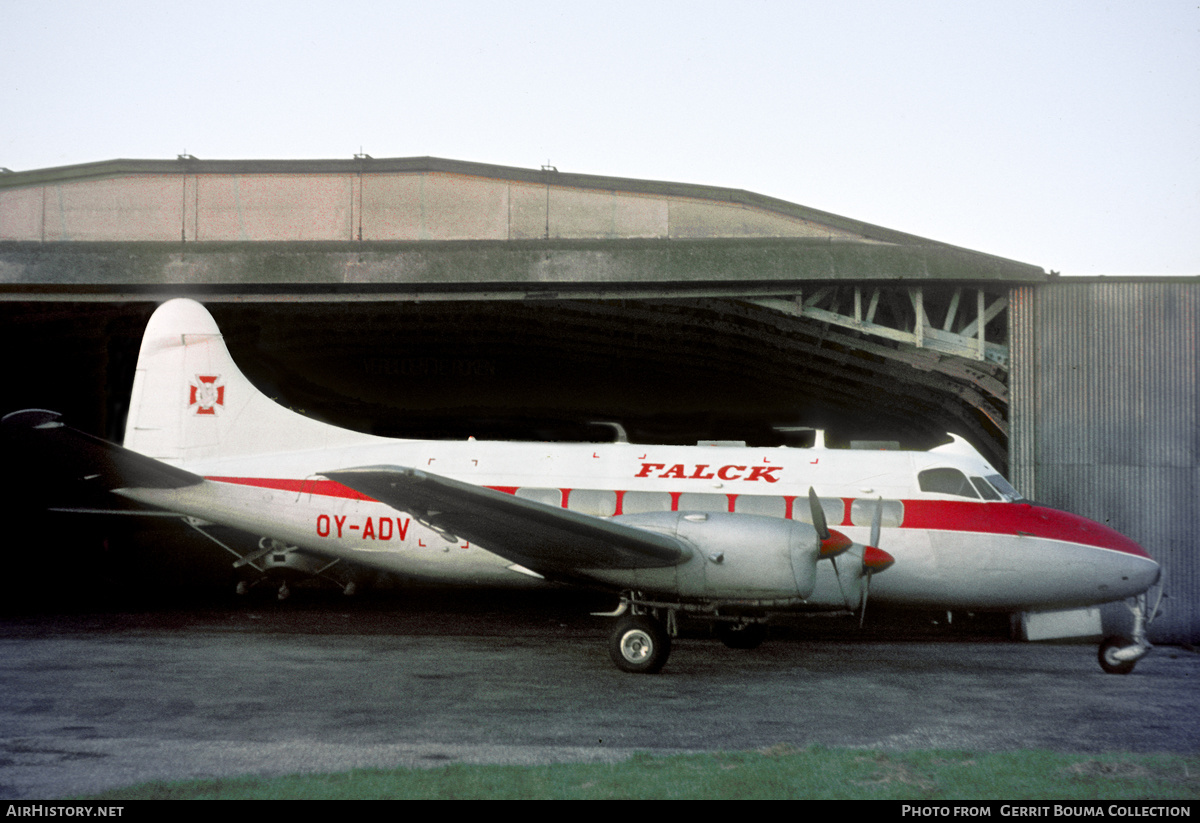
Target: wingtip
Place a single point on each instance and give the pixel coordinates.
(33, 419)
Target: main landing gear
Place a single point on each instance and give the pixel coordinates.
(641, 639)
(640, 644)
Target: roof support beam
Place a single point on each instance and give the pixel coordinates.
(970, 342)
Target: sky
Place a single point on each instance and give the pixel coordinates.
(1060, 133)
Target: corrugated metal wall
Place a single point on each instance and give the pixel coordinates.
(1105, 421)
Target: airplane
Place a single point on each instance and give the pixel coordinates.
(720, 533)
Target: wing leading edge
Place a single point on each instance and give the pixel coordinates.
(540, 537)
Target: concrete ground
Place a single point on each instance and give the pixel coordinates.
(99, 700)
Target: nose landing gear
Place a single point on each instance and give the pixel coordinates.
(1118, 655)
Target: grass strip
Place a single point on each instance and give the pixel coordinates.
(780, 772)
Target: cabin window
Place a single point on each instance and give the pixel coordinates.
(697, 502)
(551, 497)
(946, 481)
(596, 502)
(834, 508)
(636, 502)
(760, 504)
(862, 512)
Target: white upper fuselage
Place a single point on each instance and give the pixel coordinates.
(951, 550)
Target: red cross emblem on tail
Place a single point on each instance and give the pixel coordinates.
(207, 394)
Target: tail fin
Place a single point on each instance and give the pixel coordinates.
(190, 402)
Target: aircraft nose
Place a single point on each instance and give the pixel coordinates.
(1127, 568)
(1137, 573)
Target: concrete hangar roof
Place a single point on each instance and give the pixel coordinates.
(431, 200)
(831, 318)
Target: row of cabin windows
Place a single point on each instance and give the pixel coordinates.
(603, 503)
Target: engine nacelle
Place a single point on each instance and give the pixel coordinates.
(734, 557)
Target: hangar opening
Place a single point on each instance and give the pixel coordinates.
(420, 297)
(673, 371)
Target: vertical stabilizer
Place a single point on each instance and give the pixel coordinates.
(191, 403)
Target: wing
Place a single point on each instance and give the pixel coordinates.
(40, 438)
(540, 537)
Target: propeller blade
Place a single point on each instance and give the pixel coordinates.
(833, 542)
(873, 560)
(876, 522)
(818, 514)
(862, 603)
(837, 575)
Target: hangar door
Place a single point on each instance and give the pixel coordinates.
(1105, 423)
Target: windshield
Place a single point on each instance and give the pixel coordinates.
(984, 488)
(1009, 493)
(952, 481)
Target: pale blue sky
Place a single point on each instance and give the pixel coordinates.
(1060, 133)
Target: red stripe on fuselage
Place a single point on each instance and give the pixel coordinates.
(325, 488)
(1015, 518)
(1022, 519)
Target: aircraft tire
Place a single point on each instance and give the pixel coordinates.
(1109, 663)
(639, 644)
(742, 635)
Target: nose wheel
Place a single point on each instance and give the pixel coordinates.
(1115, 655)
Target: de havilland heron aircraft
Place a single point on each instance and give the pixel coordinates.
(727, 534)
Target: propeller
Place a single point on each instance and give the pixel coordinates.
(833, 543)
(874, 560)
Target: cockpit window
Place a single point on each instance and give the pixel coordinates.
(946, 481)
(985, 491)
(1006, 490)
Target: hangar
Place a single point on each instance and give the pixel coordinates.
(426, 297)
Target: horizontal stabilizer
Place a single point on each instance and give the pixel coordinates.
(537, 536)
(42, 439)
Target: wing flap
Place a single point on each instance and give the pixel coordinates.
(541, 537)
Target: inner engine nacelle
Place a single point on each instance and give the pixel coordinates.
(734, 557)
